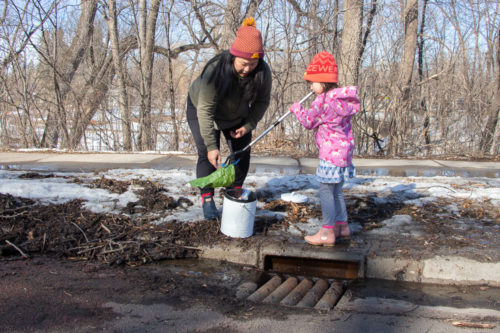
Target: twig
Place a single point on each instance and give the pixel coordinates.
(445, 187)
(43, 243)
(18, 249)
(472, 325)
(111, 251)
(19, 208)
(76, 225)
(90, 249)
(12, 216)
(105, 228)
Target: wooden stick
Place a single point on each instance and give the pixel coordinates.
(18, 249)
(84, 235)
(12, 216)
(472, 325)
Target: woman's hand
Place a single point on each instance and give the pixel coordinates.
(238, 133)
(214, 157)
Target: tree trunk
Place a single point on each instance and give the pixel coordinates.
(171, 89)
(402, 106)
(120, 76)
(232, 21)
(423, 104)
(335, 25)
(252, 7)
(351, 42)
(147, 30)
(490, 133)
(95, 91)
(69, 63)
(366, 34)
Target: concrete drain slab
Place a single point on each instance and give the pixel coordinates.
(292, 291)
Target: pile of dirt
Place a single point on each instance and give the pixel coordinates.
(136, 237)
(69, 230)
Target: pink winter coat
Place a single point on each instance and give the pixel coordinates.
(330, 116)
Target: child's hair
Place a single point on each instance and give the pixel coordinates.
(327, 86)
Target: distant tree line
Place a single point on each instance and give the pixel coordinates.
(117, 72)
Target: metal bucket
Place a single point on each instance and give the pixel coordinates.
(238, 213)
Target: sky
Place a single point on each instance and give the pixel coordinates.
(409, 190)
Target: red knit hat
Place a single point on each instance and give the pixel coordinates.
(248, 41)
(322, 69)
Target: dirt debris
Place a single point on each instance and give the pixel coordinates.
(71, 231)
(134, 237)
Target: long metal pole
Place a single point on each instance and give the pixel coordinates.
(275, 124)
(263, 133)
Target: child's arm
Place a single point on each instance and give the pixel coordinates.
(309, 118)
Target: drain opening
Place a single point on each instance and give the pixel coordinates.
(324, 268)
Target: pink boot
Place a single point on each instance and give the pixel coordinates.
(341, 230)
(325, 236)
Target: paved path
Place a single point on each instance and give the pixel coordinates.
(90, 161)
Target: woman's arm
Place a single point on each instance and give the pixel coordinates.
(260, 105)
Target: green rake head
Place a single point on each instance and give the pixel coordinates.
(222, 177)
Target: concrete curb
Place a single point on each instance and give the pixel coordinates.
(235, 252)
(438, 270)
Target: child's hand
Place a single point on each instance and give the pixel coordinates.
(295, 107)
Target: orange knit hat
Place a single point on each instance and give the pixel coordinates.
(248, 41)
(322, 69)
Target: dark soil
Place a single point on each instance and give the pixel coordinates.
(46, 294)
(68, 230)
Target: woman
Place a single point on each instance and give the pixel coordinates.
(230, 96)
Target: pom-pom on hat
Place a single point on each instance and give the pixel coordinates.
(322, 69)
(248, 41)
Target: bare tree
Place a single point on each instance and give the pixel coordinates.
(351, 42)
(232, 19)
(112, 21)
(423, 105)
(490, 133)
(64, 69)
(20, 37)
(401, 108)
(146, 38)
(170, 80)
(66, 96)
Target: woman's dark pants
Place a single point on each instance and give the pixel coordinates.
(203, 166)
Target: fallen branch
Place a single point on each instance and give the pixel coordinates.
(12, 216)
(18, 249)
(84, 235)
(472, 325)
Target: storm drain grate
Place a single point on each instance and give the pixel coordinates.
(301, 282)
(294, 291)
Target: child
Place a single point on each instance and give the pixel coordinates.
(330, 117)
